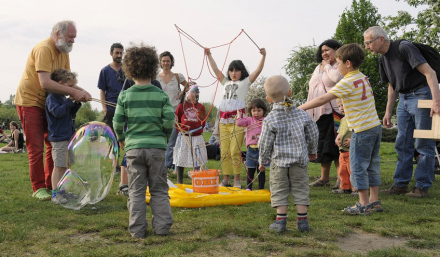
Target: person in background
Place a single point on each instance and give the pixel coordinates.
(323, 79)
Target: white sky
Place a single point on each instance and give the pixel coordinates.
(279, 26)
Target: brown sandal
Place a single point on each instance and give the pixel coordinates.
(320, 183)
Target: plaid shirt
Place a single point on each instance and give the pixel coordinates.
(288, 136)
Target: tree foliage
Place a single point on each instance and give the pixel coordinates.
(86, 114)
(424, 28)
(299, 68)
(257, 91)
(213, 112)
(354, 21)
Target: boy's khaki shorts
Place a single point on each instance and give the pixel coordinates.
(59, 153)
(285, 181)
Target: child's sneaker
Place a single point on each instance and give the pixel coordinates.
(59, 199)
(303, 225)
(122, 190)
(225, 184)
(237, 184)
(279, 225)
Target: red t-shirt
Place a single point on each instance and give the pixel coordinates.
(190, 117)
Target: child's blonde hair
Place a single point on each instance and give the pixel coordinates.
(277, 88)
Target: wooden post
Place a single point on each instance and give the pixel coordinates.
(434, 133)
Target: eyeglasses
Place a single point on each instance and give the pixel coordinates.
(367, 43)
(121, 76)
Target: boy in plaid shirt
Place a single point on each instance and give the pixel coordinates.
(289, 137)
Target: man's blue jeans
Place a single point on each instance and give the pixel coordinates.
(409, 117)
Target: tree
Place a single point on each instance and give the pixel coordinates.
(10, 102)
(212, 114)
(257, 91)
(353, 22)
(425, 28)
(299, 68)
(85, 114)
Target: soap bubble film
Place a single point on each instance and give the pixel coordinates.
(92, 155)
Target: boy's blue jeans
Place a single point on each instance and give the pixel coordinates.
(365, 158)
(409, 117)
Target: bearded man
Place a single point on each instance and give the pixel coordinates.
(47, 56)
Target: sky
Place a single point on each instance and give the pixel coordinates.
(279, 26)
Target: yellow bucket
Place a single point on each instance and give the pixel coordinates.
(205, 181)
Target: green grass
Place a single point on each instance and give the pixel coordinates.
(32, 228)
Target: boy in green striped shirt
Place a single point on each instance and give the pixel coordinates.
(150, 119)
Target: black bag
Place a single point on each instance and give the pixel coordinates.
(429, 53)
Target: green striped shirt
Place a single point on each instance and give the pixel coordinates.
(149, 117)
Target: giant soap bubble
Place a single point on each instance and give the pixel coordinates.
(92, 155)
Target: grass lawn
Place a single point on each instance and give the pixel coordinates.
(408, 227)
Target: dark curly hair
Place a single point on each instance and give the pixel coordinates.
(166, 53)
(330, 43)
(140, 62)
(258, 103)
(238, 65)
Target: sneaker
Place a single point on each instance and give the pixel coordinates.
(237, 184)
(395, 190)
(59, 199)
(122, 190)
(225, 184)
(279, 225)
(342, 191)
(303, 225)
(118, 169)
(355, 193)
(42, 194)
(418, 193)
(358, 209)
(336, 186)
(375, 206)
(320, 183)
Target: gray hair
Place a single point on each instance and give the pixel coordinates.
(61, 27)
(377, 31)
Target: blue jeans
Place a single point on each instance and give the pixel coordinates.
(409, 117)
(365, 158)
(170, 149)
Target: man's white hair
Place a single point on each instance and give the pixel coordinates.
(61, 27)
(377, 31)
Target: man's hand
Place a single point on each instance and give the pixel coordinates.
(387, 120)
(313, 157)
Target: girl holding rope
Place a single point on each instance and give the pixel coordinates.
(190, 149)
(236, 83)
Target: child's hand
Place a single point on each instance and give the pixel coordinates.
(347, 142)
(263, 51)
(238, 114)
(313, 157)
(261, 167)
(207, 51)
(338, 141)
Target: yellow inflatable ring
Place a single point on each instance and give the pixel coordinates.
(182, 196)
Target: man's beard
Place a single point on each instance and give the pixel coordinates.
(117, 60)
(63, 46)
